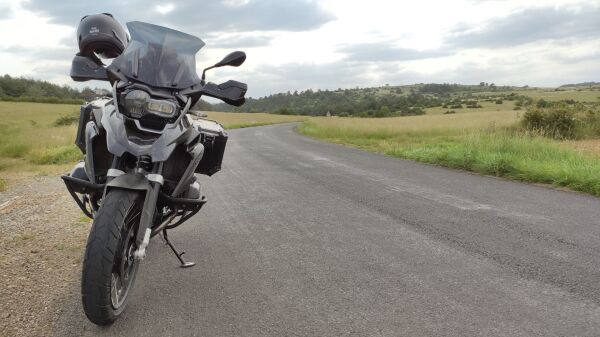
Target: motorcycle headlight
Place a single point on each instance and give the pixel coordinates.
(138, 102)
(161, 108)
(135, 102)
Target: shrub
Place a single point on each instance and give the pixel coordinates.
(499, 101)
(557, 121)
(63, 120)
(542, 103)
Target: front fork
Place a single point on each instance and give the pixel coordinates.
(147, 177)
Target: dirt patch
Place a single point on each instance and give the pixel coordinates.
(42, 235)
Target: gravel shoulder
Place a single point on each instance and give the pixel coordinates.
(42, 235)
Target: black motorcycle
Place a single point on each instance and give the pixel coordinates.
(142, 149)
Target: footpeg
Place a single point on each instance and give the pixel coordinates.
(184, 264)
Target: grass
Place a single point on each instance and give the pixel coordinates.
(482, 142)
(244, 120)
(397, 126)
(30, 139)
(583, 95)
(39, 137)
(485, 107)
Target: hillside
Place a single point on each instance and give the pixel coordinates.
(386, 101)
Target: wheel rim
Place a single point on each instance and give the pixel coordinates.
(125, 268)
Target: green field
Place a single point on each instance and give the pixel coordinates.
(31, 142)
(487, 142)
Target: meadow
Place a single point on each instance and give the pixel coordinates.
(38, 138)
(486, 140)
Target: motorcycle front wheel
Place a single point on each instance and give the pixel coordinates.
(109, 267)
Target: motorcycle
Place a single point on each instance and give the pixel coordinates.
(143, 152)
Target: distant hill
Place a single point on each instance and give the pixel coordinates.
(376, 102)
(582, 84)
(384, 101)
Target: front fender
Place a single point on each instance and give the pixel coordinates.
(130, 181)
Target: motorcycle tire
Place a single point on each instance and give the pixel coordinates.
(109, 268)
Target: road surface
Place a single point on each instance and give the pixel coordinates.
(305, 238)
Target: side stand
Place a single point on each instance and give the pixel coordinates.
(183, 263)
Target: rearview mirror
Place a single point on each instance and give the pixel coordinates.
(234, 59)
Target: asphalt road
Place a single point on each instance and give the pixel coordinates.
(305, 238)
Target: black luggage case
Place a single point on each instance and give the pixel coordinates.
(214, 139)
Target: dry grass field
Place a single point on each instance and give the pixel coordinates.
(473, 119)
(485, 107)
(243, 120)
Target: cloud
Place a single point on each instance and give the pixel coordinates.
(58, 53)
(386, 52)
(267, 79)
(237, 41)
(6, 11)
(529, 25)
(193, 17)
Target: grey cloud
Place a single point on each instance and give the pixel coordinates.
(547, 23)
(268, 79)
(196, 18)
(15, 49)
(45, 54)
(5, 11)
(386, 52)
(237, 41)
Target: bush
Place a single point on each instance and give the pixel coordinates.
(542, 103)
(63, 120)
(557, 121)
(499, 101)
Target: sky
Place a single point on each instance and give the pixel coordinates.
(329, 44)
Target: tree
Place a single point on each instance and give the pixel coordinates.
(88, 94)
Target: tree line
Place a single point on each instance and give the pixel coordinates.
(367, 102)
(30, 90)
(362, 102)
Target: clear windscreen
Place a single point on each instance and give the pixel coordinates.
(159, 56)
